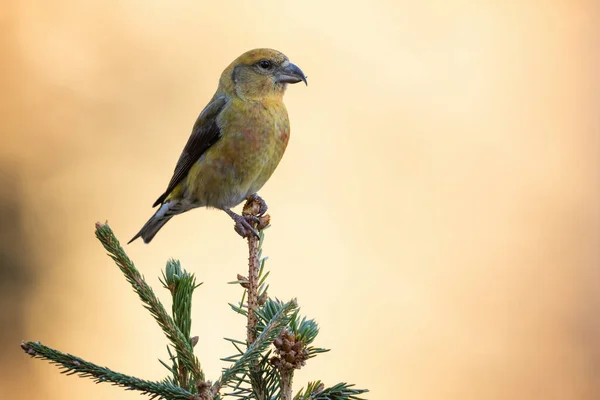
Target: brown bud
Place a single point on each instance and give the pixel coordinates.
(202, 386)
(264, 221)
(252, 207)
(275, 361)
(195, 341)
(263, 299)
(286, 346)
(244, 284)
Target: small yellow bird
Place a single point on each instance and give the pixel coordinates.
(236, 142)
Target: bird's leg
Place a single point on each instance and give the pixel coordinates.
(242, 225)
(261, 203)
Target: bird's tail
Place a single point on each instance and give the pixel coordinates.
(150, 228)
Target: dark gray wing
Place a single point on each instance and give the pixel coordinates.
(205, 133)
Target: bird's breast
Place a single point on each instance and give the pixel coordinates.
(254, 137)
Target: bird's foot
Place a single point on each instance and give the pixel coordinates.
(255, 205)
(244, 224)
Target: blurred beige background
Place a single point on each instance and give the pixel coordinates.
(437, 210)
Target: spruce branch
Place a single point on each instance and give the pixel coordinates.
(292, 347)
(287, 378)
(182, 344)
(256, 371)
(263, 381)
(253, 270)
(341, 391)
(181, 284)
(72, 365)
(253, 209)
(256, 349)
(266, 376)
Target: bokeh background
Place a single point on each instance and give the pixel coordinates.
(437, 210)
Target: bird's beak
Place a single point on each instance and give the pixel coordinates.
(291, 74)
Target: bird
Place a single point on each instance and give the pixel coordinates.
(236, 142)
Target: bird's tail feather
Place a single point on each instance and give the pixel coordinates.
(150, 228)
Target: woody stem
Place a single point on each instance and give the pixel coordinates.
(253, 271)
(287, 376)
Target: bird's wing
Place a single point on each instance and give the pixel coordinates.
(205, 133)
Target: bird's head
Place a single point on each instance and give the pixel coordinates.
(260, 74)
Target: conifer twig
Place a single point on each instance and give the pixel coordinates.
(252, 288)
(181, 284)
(342, 391)
(255, 373)
(287, 377)
(74, 365)
(260, 344)
(182, 344)
(252, 209)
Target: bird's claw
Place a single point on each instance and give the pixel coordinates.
(253, 217)
(244, 225)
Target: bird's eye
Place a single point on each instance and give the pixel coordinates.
(265, 64)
